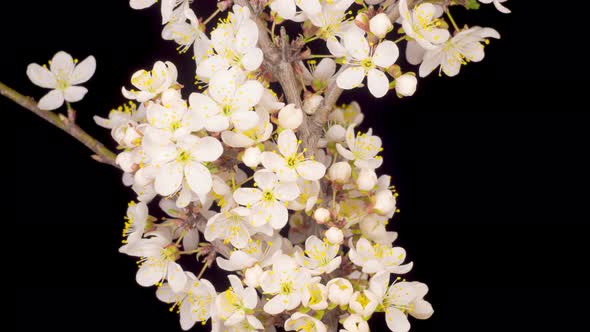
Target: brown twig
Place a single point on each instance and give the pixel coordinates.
(67, 124)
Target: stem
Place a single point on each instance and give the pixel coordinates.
(400, 39)
(211, 16)
(321, 56)
(310, 39)
(452, 20)
(102, 153)
(202, 270)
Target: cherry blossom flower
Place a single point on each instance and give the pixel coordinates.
(62, 77)
(319, 257)
(464, 47)
(285, 283)
(364, 60)
(267, 202)
(303, 322)
(152, 83)
(498, 4)
(237, 304)
(291, 164)
(422, 25)
(377, 257)
(362, 148)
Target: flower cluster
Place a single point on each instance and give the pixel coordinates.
(301, 227)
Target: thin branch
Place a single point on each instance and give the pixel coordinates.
(102, 153)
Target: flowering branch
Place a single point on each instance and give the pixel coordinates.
(102, 153)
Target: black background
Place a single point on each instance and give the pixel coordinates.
(491, 168)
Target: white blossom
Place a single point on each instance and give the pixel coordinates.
(151, 83)
(290, 163)
(498, 4)
(362, 148)
(376, 257)
(62, 77)
(237, 304)
(364, 60)
(319, 257)
(285, 283)
(303, 322)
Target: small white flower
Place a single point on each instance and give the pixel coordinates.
(308, 197)
(237, 304)
(228, 102)
(320, 257)
(315, 296)
(405, 85)
(167, 6)
(422, 25)
(290, 117)
(347, 115)
(285, 281)
(158, 262)
(181, 161)
(258, 251)
(259, 133)
(231, 226)
(362, 148)
(252, 276)
(377, 257)
(291, 164)
(302, 322)
(267, 202)
(173, 115)
(498, 4)
(339, 291)
(400, 298)
(380, 25)
(151, 83)
(235, 44)
(320, 76)
(195, 302)
(364, 303)
(62, 77)
(355, 323)
(464, 47)
(364, 60)
(373, 228)
(136, 222)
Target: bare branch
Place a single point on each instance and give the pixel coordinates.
(102, 153)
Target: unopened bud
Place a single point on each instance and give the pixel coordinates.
(290, 117)
(380, 25)
(362, 21)
(384, 202)
(340, 172)
(251, 157)
(366, 180)
(312, 103)
(335, 235)
(405, 85)
(321, 215)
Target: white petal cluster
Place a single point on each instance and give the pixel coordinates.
(302, 232)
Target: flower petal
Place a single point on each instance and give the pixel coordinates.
(325, 69)
(41, 76)
(311, 170)
(75, 93)
(385, 54)
(62, 64)
(222, 87)
(287, 191)
(350, 78)
(52, 100)
(244, 120)
(169, 179)
(83, 71)
(265, 180)
(396, 320)
(207, 149)
(247, 196)
(378, 83)
(252, 59)
(356, 44)
(198, 177)
(287, 142)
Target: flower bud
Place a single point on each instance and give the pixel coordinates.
(336, 133)
(311, 104)
(290, 117)
(340, 172)
(335, 235)
(252, 276)
(251, 157)
(405, 85)
(380, 25)
(321, 215)
(339, 291)
(366, 180)
(355, 323)
(362, 21)
(384, 202)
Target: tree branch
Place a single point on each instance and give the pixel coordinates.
(102, 153)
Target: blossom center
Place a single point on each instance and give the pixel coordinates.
(367, 64)
(183, 156)
(287, 287)
(268, 196)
